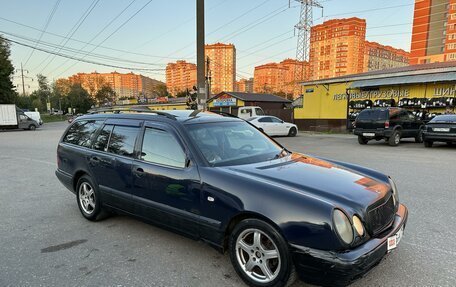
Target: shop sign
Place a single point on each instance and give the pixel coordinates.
(445, 92)
(224, 101)
(377, 94)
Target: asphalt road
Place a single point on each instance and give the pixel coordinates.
(44, 241)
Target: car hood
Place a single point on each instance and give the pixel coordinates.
(316, 178)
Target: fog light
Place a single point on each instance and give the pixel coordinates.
(358, 225)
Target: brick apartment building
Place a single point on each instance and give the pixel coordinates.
(380, 57)
(434, 32)
(180, 76)
(222, 66)
(278, 77)
(337, 48)
(244, 86)
(125, 85)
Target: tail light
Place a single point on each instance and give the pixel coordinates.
(387, 125)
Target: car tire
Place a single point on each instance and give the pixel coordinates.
(248, 254)
(292, 132)
(362, 140)
(88, 198)
(395, 138)
(419, 136)
(428, 143)
(32, 127)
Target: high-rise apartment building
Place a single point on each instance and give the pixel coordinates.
(125, 85)
(278, 77)
(434, 31)
(180, 76)
(244, 86)
(337, 48)
(380, 57)
(222, 63)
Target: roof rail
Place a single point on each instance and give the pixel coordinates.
(225, 114)
(138, 109)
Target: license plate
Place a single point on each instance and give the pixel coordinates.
(394, 240)
(441, 129)
(368, 134)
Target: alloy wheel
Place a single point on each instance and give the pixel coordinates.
(87, 198)
(258, 255)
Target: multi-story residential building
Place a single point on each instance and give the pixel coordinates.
(244, 86)
(279, 77)
(434, 31)
(380, 57)
(337, 48)
(269, 78)
(180, 76)
(222, 63)
(125, 85)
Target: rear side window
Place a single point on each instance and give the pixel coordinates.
(81, 132)
(374, 114)
(122, 140)
(265, 120)
(161, 147)
(259, 111)
(276, 120)
(101, 142)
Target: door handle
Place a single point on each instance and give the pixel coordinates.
(139, 172)
(94, 159)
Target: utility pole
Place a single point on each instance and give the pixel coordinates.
(200, 59)
(23, 77)
(208, 77)
(303, 46)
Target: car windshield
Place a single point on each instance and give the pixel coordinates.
(233, 143)
(444, 119)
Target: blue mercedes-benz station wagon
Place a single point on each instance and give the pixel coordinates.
(279, 214)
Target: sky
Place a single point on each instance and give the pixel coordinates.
(147, 34)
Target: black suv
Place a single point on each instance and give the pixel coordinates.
(390, 124)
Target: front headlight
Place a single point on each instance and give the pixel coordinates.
(395, 192)
(343, 226)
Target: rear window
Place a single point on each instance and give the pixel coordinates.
(81, 132)
(374, 114)
(444, 119)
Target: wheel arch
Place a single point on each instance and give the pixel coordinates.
(77, 176)
(242, 216)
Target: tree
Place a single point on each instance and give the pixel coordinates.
(160, 90)
(105, 95)
(7, 92)
(41, 96)
(78, 98)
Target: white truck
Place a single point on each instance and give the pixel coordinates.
(249, 111)
(13, 118)
(34, 116)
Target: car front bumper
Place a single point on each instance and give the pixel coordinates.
(340, 268)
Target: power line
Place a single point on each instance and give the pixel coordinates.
(110, 35)
(84, 42)
(72, 31)
(102, 30)
(81, 59)
(76, 51)
(48, 20)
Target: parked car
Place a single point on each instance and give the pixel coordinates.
(391, 124)
(274, 126)
(440, 129)
(249, 112)
(219, 179)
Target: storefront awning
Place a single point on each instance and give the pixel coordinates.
(413, 79)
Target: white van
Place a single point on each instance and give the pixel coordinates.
(34, 116)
